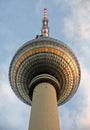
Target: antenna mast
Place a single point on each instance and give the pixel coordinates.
(45, 29)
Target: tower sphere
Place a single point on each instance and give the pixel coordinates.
(44, 59)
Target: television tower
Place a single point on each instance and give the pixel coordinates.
(44, 73)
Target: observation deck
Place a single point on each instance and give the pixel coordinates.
(44, 59)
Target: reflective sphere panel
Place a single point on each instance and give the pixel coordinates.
(44, 55)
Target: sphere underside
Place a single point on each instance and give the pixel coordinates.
(40, 56)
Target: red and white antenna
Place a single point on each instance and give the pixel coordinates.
(45, 29)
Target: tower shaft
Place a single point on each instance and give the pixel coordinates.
(44, 112)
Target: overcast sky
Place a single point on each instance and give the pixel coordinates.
(21, 21)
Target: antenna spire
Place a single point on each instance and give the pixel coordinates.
(45, 29)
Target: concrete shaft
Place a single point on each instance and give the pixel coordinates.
(44, 112)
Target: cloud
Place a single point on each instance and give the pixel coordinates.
(77, 23)
(12, 111)
(85, 119)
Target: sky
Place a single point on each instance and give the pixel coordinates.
(21, 21)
